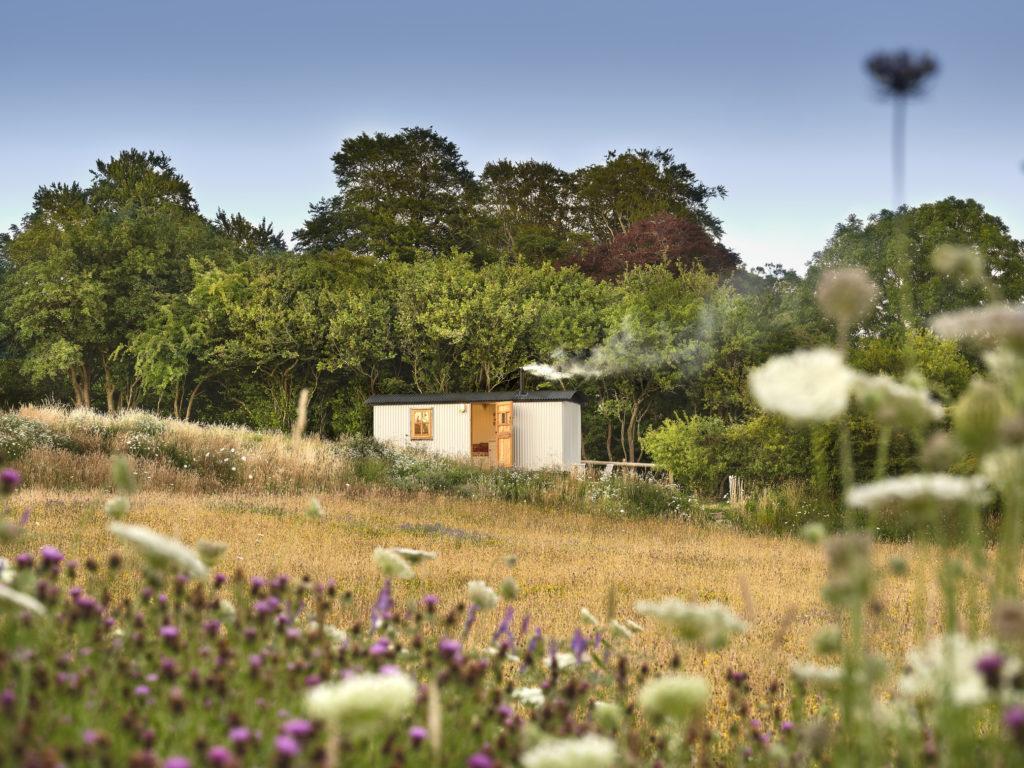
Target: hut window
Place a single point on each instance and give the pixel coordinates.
(422, 424)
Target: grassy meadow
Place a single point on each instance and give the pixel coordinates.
(566, 561)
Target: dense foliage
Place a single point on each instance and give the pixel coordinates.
(420, 275)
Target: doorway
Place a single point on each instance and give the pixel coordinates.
(483, 436)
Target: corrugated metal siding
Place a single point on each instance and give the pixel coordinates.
(572, 448)
(537, 435)
(451, 427)
(544, 434)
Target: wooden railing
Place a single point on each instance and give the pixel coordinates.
(626, 464)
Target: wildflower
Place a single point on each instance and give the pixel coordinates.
(531, 697)
(955, 668)
(161, 551)
(51, 556)
(807, 385)
(417, 735)
(710, 625)
(1013, 719)
(384, 605)
(588, 617)
(414, 556)
(984, 325)
(10, 479)
(210, 551)
(846, 295)
(980, 415)
(608, 715)
(590, 751)
(912, 490)
(508, 588)
(239, 735)
(481, 595)
(450, 649)
(674, 697)
(563, 660)
(117, 507)
(363, 704)
(177, 761)
(21, 600)
(479, 760)
(962, 260)
(817, 677)
(297, 727)
(286, 746)
(579, 645)
(391, 564)
(896, 404)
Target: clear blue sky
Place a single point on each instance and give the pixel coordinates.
(768, 98)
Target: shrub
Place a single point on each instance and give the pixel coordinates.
(695, 449)
(18, 435)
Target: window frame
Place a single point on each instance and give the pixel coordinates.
(429, 422)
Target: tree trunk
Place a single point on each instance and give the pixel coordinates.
(608, 441)
(108, 386)
(191, 401)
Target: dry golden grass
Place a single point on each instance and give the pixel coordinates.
(566, 561)
(208, 457)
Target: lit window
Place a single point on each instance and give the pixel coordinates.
(422, 424)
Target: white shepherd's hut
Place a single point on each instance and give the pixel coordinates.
(528, 430)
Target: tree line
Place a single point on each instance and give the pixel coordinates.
(419, 275)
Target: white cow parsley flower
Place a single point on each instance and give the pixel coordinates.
(709, 625)
(363, 704)
(910, 490)
(807, 385)
(160, 550)
(590, 751)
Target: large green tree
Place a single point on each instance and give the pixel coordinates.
(398, 194)
(89, 265)
(631, 186)
(895, 247)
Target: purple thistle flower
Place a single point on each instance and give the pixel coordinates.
(991, 668)
(239, 735)
(417, 735)
(177, 761)
(255, 661)
(786, 726)
(384, 606)
(10, 479)
(1013, 719)
(219, 756)
(286, 746)
(450, 649)
(23, 520)
(381, 647)
(297, 728)
(90, 737)
(430, 602)
(479, 760)
(24, 560)
(579, 645)
(141, 691)
(51, 555)
(7, 698)
(219, 579)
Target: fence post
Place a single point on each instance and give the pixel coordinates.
(736, 495)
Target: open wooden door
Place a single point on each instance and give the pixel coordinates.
(503, 433)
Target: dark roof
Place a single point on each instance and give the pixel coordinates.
(539, 396)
